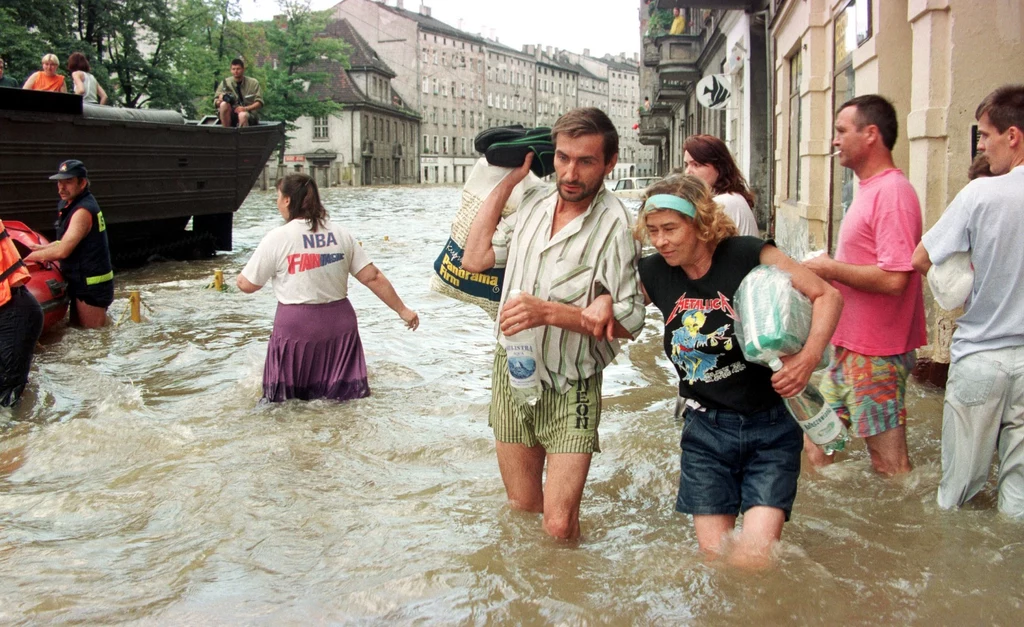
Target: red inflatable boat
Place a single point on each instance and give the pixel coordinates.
(47, 283)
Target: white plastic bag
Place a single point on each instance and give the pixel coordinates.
(774, 318)
(952, 280)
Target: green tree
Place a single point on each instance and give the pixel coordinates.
(298, 59)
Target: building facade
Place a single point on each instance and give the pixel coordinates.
(373, 139)
(934, 60)
(726, 39)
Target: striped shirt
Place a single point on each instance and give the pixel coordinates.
(594, 254)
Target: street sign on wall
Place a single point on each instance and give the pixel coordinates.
(713, 91)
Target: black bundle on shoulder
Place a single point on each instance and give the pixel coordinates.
(507, 146)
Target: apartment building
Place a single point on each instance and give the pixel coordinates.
(373, 139)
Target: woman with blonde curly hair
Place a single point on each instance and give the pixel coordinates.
(740, 447)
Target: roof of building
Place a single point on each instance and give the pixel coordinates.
(361, 56)
(619, 66)
(429, 23)
(340, 87)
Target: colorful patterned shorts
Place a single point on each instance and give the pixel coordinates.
(868, 392)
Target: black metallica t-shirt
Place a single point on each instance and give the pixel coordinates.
(700, 328)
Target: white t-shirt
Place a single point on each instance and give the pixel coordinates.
(735, 206)
(986, 219)
(306, 267)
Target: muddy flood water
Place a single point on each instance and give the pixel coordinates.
(140, 483)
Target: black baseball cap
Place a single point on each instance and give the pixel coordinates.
(70, 169)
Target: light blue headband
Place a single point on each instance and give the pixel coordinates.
(668, 201)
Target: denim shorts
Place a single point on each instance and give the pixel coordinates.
(731, 462)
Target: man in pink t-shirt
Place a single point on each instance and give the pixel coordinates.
(883, 312)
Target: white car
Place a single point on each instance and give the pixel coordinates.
(633, 187)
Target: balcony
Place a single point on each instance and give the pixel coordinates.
(671, 91)
(674, 56)
(367, 148)
(655, 126)
(744, 5)
(396, 150)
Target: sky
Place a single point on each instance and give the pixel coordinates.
(572, 25)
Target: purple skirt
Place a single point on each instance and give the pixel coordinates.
(315, 352)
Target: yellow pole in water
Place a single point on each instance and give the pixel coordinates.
(136, 304)
(218, 280)
(386, 237)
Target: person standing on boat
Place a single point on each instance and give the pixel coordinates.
(81, 247)
(21, 322)
(563, 248)
(47, 79)
(239, 98)
(5, 80)
(85, 83)
(315, 350)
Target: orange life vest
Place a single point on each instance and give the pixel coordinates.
(12, 269)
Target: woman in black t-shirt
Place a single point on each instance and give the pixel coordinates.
(740, 447)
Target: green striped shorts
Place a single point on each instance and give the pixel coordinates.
(561, 423)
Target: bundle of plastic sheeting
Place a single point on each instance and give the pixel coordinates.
(774, 319)
(952, 280)
(479, 288)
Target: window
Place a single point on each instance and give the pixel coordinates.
(795, 120)
(426, 144)
(426, 85)
(435, 143)
(444, 145)
(320, 127)
(852, 28)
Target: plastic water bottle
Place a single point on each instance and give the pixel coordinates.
(816, 417)
(521, 349)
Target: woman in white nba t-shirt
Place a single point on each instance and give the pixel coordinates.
(314, 350)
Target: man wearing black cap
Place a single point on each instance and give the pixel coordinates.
(81, 247)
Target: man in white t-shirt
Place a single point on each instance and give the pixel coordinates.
(982, 409)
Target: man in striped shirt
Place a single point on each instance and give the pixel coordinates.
(561, 250)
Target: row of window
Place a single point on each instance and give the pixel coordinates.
(454, 89)
(440, 145)
(457, 44)
(376, 128)
(456, 60)
(385, 170)
(475, 118)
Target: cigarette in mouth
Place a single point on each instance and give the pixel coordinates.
(835, 154)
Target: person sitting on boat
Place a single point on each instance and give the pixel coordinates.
(315, 350)
(81, 247)
(21, 322)
(238, 98)
(47, 79)
(85, 83)
(5, 80)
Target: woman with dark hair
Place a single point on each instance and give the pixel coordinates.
(708, 158)
(315, 350)
(85, 83)
(740, 447)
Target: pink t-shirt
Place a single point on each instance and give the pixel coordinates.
(882, 228)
